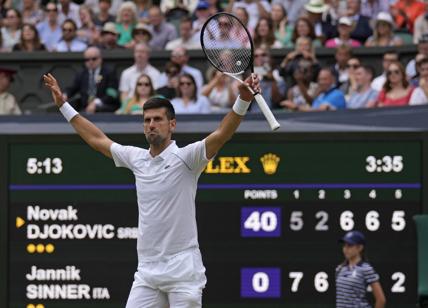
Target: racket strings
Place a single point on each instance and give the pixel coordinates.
(227, 44)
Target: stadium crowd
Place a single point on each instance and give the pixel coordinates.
(297, 83)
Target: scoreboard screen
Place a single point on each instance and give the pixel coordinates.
(270, 211)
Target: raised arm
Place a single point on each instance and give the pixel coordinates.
(231, 121)
(86, 129)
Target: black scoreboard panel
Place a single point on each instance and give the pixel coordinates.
(270, 211)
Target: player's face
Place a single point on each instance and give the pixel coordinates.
(157, 127)
(351, 251)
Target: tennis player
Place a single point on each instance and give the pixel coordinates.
(170, 271)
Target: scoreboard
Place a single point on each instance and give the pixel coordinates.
(270, 211)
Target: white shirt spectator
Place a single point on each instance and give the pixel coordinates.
(76, 46)
(129, 78)
(418, 97)
(201, 105)
(192, 43)
(378, 82)
(73, 13)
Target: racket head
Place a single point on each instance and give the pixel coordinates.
(227, 44)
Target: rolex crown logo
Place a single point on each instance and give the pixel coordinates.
(270, 163)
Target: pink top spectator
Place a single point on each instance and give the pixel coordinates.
(384, 101)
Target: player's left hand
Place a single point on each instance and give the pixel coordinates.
(253, 82)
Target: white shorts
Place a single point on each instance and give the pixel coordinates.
(175, 283)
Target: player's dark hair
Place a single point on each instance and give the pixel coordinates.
(160, 102)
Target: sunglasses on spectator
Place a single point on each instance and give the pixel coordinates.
(188, 83)
(91, 59)
(396, 72)
(68, 29)
(173, 72)
(352, 65)
(260, 55)
(146, 84)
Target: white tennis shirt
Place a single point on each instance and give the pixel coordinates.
(166, 190)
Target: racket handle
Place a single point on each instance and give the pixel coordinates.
(273, 123)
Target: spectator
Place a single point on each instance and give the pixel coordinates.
(187, 38)
(422, 49)
(283, 29)
(342, 55)
(383, 35)
(304, 28)
(125, 22)
(11, 30)
(220, 91)
(31, 13)
(323, 29)
(140, 34)
(420, 94)
(396, 90)
(50, 29)
(163, 32)
(302, 93)
(355, 275)
(129, 76)
(242, 14)
(294, 8)
(421, 25)
(114, 6)
(96, 85)
(255, 8)
(414, 81)
(388, 58)
(405, 13)
(8, 103)
(30, 40)
(143, 91)
(345, 28)
(69, 41)
(176, 9)
(272, 85)
(88, 32)
(69, 10)
(202, 13)
(364, 95)
(329, 97)
(108, 37)
(371, 8)
(179, 55)
(350, 86)
(172, 71)
(187, 100)
(362, 30)
(264, 35)
(103, 16)
(143, 7)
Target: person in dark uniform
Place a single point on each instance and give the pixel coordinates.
(354, 275)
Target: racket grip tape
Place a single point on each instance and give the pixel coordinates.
(273, 123)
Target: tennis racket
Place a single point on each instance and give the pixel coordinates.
(228, 46)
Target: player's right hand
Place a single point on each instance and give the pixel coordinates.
(52, 84)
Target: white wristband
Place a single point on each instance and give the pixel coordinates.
(68, 111)
(240, 107)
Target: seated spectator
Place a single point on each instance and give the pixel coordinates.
(414, 81)
(271, 84)
(69, 41)
(242, 14)
(103, 16)
(304, 28)
(371, 8)
(405, 13)
(31, 13)
(283, 29)
(349, 86)
(30, 40)
(421, 25)
(125, 22)
(143, 91)
(180, 56)
(143, 7)
(396, 90)
(114, 6)
(264, 35)
(69, 10)
(202, 13)
(255, 9)
(187, 100)
(420, 94)
(129, 76)
(388, 58)
(324, 28)
(8, 103)
(140, 35)
(96, 85)
(345, 28)
(342, 55)
(187, 38)
(294, 9)
(162, 31)
(11, 30)
(304, 90)
(108, 37)
(88, 32)
(362, 30)
(422, 49)
(221, 91)
(364, 95)
(50, 29)
(329, 97)
(383, 34)
(172, 71)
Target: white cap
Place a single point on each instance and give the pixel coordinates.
(384, 16)
(345, 21)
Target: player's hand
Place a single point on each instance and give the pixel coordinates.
(254, 83)
(52, 84)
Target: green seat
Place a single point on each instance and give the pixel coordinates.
(422, 234)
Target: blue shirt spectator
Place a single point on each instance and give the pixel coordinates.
(330, 98)
(50, 29)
